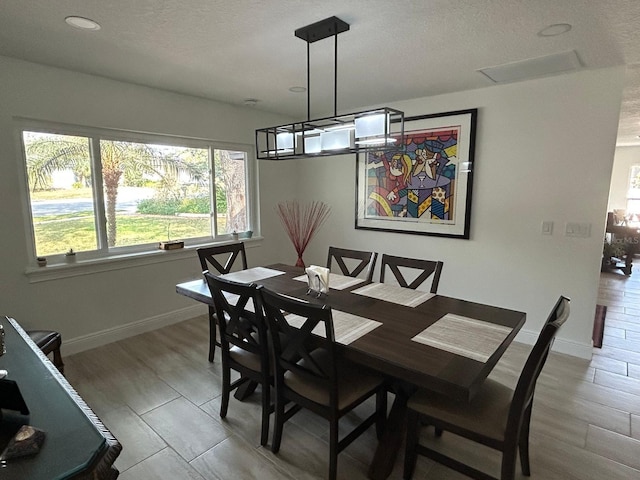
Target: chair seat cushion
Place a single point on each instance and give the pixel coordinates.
(486, 414)
(353, 382)
(45, 339)
(245, 358)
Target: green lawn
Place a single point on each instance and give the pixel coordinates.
(56, 234)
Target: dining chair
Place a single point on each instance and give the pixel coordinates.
(367, 261)
(49, 341)
(244, 341)
(497, 416)
(309, 373)
(427, 267)
(207, 257)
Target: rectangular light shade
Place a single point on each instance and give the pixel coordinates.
(371, 125)
(284, 141)
(377, 130)
(336, 140)
(312, 144)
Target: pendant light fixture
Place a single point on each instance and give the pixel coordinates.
(371, 130)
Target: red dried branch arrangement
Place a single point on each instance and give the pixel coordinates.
(302, 222)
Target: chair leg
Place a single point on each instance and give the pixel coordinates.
(57, 360)
(508, 470)
(410, 453)
(523, 443)
(212, 333)
(333, 449)
(278, 423)
(266, 405)
(226, 389)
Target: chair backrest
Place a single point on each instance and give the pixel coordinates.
(232, 250)
(523, 394)
(428, 267)
(367, 261)
(240, 318)
(306, 328)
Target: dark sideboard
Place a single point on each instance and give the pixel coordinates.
(77, 444)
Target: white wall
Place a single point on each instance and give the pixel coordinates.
(624, 158)
(544, 151)
(117, 302)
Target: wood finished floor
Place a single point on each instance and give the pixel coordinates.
(160, 397)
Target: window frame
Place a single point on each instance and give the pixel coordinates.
(102, 253)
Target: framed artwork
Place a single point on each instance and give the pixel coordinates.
(424, 185)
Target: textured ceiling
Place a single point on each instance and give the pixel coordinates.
(395, 50)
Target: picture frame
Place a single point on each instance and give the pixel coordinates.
(424, 186)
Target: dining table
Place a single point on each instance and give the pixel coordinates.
(415, 338)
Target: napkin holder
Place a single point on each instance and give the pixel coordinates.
(318, 280)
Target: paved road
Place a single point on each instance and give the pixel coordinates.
(127, 203)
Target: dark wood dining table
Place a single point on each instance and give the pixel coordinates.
(391, 350)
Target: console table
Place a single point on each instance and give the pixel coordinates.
(77, 444)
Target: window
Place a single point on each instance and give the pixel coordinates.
(633, 193)
(104, 193)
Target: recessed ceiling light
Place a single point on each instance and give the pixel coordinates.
(555, 29)
(297, 89)
(250, 102)
(82, 23)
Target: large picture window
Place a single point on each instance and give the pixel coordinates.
(100, 195)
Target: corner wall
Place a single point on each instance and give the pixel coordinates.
(92, 309)
(544, 151)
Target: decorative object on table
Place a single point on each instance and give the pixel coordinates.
(301, 223)
(27, 441)
(235, 236)
(42, 261)
(363, 131)
(249, 234)
(423, 186)
(171, 245)
(318, 280)
(70, 256)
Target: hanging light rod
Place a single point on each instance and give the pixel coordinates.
(372, 130)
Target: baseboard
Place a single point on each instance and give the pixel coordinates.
(103, 337)
(561, 346)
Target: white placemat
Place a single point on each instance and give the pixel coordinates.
(232, 298)
(464, 336)
(394, 294)
(336, 281)
(346, 327)
(252, 274)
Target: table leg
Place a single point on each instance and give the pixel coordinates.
(387, 450)
(244, 390)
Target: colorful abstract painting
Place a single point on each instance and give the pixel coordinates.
(424, 185)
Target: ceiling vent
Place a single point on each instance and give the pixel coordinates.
(533, 67)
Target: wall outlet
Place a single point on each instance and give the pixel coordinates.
(581, 230)
(547, 227)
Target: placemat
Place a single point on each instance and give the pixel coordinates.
(252, 274)
(394, 294)
(464, 336)
(336, 281)
(346, 327)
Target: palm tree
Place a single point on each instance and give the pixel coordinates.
(49, 153)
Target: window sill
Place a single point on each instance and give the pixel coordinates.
(76, 268)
